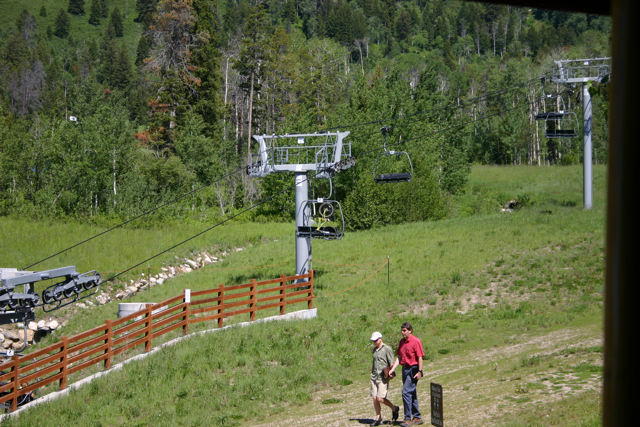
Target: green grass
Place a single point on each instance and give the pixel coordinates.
(81, 31)
(489, 282)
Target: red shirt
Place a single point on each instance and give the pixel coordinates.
(410, 350)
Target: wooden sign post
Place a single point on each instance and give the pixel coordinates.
(437, 416)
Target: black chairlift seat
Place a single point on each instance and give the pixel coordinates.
(552, 115)
(561, 133)
(393, 178)
(327, 233)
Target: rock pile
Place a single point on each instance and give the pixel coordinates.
(14, 339)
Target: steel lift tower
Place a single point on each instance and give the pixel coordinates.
(322, 154)
(583, 71)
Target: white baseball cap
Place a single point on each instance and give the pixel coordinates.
(375, 336)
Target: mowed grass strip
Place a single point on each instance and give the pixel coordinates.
(529, 276)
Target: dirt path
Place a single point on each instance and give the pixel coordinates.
(479, 386)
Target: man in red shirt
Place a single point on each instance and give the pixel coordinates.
(410, 355)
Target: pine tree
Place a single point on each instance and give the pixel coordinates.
(94, 14)
(116, 20)
(62, 25)
(145, 9)
(110, 32)
(43, 11)
(143, 49)
(122, 74)
(206, 57)
(16, 50)
(104, 9)
(76, 7)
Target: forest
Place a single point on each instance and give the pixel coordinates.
(112, 108)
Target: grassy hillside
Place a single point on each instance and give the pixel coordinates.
(508, 306)
(81, 30)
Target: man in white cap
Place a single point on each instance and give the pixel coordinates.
(383, 357)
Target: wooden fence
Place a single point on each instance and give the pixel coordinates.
(101, 344)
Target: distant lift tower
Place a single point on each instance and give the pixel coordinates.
(321, 153)
(584, 71)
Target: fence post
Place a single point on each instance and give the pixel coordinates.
(107, 341)
(221, 305)
(283, 295)
(186, 310)
(63, 361)
(147, 326)
(252, 298)
(310, 305)
(16, 381)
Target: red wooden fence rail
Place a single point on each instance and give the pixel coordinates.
(56, 362)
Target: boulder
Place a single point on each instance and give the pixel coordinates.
(120, 294)
(30, 334)
(42, 324)
(53, 325)
(7, 344)
(33, 326)
(11, 335)
(90, 304)
(17, 345)
(160, 281)
(193, 264)
(1, 338)
(153, 280)
(81, 305)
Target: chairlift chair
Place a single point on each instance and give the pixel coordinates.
(394, 177)
(555, 110)
(324, 218)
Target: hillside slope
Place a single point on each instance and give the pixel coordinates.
(508, 306)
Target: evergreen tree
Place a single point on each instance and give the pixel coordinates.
(142, 52)
(206, 57)
(104, 9)
(110, 32)
(122, 74)
(76, 7)
(403, 25)
(43, 11)
(116, 20)
(94, 14)
(145, 9)
(62, 25)
(16, 50)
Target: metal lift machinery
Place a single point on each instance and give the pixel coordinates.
(322, 154)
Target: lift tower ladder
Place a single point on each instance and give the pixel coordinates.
(573, 72)
(321, 153)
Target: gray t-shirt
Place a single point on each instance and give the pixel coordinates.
(382, 357)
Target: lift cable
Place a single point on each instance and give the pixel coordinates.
(451, 106)
(136, 217)
(263, 201)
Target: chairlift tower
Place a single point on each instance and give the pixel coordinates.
(322, 154)
(583, 71)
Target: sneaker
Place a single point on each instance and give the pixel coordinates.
(376, 423)
(417, 421)
(395, 413)
(406, 423)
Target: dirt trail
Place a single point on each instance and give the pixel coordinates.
(478, 385)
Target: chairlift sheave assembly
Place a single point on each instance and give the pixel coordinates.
(388, 177)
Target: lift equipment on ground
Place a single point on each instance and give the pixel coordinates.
(16, 306)
(388, 177)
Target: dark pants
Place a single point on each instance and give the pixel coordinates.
(409, 393)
